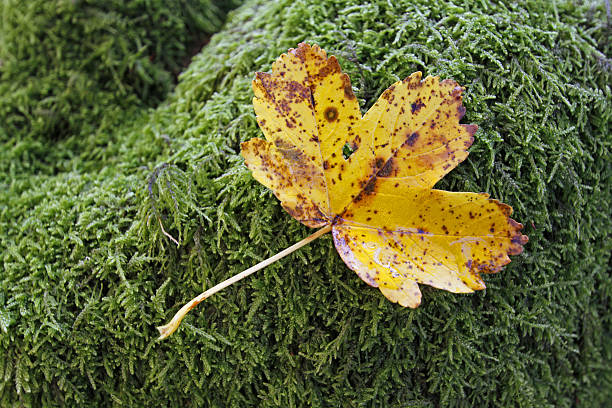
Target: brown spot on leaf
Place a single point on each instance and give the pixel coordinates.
(411, 140)
(389, 94)
(301, 51)
(507, 211)
(331, 114)
(348, 90)
(387, 169)
(331, 67)
(416, 107)
(369, 188)
(378, 163)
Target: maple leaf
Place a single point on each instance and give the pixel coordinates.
(388, 223)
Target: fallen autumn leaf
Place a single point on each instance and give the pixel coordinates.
(388, 223)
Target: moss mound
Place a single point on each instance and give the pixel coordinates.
(88, 273)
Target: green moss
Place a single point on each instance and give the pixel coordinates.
(66, 64)
(88, 273)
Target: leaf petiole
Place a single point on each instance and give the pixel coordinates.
(171, 327)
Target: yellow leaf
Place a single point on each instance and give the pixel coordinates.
(388, 224)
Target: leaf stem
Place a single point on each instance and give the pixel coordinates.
(171, 327)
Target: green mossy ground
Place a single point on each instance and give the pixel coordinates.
(87, 273)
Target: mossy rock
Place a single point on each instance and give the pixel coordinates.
(88, 272)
